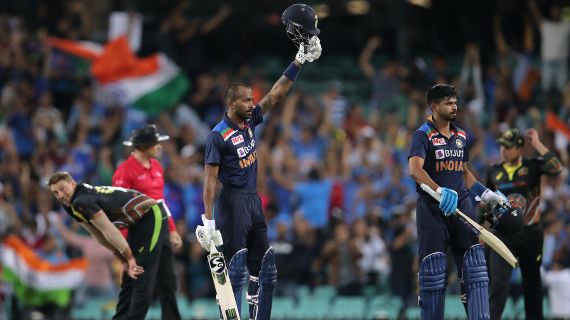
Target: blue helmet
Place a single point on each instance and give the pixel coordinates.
(301, 22)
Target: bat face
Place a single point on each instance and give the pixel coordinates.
(224, 291)
(218, 268)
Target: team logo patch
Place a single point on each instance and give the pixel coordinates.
(241, 152)
(439, 142)
(459, 143)
(237, 140)
(250, 132)
(523, 171)
(439, 154)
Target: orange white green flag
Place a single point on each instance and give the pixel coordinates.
(152, 84)
(35, 281)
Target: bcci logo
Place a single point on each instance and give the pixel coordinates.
(459, 143)
(217, 265)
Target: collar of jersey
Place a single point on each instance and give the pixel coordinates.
(452, 127)
(79, 185)
(135, 162)
(233, 125)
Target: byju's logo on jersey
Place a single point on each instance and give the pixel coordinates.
(439, 142)
(439, 154)
(243, 151)
(442, 153)
(237, 140)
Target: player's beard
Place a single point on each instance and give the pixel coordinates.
(449, 117)
(242, 115)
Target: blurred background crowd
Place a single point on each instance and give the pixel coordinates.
(332, 156)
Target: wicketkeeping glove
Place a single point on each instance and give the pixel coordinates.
(448, 202)
(314, 50)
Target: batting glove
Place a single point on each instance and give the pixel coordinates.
(313, 50)
(207, 234)
(448, 200)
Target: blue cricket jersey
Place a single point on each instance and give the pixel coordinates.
(443, 157)
(233, 149)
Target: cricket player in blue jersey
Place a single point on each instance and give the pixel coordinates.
(231, 158)
(439, 158)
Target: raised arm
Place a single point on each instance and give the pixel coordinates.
(310, 52)
(535, 12)
(281, 87)
(366, 54)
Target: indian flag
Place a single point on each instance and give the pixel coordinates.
(152, 84)
(35, 281)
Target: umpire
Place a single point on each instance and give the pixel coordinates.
(517, 176)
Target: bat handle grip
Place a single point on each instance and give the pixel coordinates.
(213, 248)
(430, 191)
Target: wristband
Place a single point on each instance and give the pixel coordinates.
(478, 189)
(210, 224)
(292, 71)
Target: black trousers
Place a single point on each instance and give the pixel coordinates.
(149, 241)
(527, 247)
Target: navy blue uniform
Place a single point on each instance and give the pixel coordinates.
(237, 210)
(443, 161)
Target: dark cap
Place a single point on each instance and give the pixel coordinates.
(511, 138)
(147, 136)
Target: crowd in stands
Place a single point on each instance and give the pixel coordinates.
(333, 179)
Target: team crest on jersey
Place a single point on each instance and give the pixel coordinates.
(237, 140)
(250, 132)
(439, 142)
(523, 171)
(241, 152)
(459, 143)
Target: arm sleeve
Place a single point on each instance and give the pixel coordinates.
(121, 178)
(83, 207)
(214, 147)
(171, 225)
(550, 164)
(419, 145)
(469, 143)
(257, 116)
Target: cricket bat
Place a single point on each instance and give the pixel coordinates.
(225, 294)
(484, 235)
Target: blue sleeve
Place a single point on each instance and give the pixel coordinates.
(214, 147)
(419, 145)
(466, 151)
(257, 116)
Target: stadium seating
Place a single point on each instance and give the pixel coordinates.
(320, 303)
